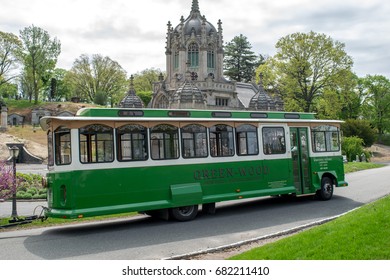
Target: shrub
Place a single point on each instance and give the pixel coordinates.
(352, 147)
(27, 196)
(30, 186)
(20, 194)
(361, 129)
(385, 139)
(42, 191)
(32, 190)
(23, 187)
(6, 180)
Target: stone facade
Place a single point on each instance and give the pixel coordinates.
(3, 116)
(194, 63)
(38, 113)
(15, 119)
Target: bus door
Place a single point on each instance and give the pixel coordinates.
(300, 159)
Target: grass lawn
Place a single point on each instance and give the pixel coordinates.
(363, 234)
(29, 132)
(357, 166)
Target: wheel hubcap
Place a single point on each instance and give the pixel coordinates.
(186, 211)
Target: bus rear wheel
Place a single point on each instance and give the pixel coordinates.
(185, 213)
(326, 191)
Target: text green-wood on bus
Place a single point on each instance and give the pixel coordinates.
(168, 162)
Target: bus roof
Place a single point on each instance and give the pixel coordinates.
(119, 114)
(190, 113)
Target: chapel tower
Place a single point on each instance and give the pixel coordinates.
(194, 69)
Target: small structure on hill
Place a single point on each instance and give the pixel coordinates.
(15, 119)
(24, 155)
(38, 113)
(65, 114)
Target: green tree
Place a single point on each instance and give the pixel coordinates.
(361, 129)
(340, 100)
(377, 102)
(351, 98)
(143, 81)
(9, 46)
(27, 83)
(8, 90)
(58, 89)
(145, 96)
(306, 66)
(39, 54)
(98, 75)
(240, 61)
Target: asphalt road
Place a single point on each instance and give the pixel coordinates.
(142, 237)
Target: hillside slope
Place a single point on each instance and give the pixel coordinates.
(33, 147)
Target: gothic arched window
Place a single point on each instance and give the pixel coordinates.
(161, 102)
(193, 55)
(176, 60)
(210, 57)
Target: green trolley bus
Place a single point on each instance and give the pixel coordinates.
(168, 162)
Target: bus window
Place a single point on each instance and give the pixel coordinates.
(221, 141)
(325, 138)
(132, 143)
(63, 146)
(246, 139)
(273, 140)
(194, 141)
(164, 142)
(96, 144)
(50, 152)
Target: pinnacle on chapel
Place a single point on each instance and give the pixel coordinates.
(131, 99)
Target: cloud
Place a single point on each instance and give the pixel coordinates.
(133, 33)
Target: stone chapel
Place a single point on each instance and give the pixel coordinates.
(194, 71)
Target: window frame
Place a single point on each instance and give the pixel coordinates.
(132, 130)
(159, 129)
(326, 131)
(193, 139)
(92, 143)
(193, 54)
(222, 101)
(282, 143)
(217, 147)
(176, 60)
(210, 57)
(63, 130)
(50, 148)
(247, 144)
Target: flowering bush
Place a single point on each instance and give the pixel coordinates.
(6, 180)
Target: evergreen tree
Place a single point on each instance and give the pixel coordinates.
(240, 61)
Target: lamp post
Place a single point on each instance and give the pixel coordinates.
(14, 153)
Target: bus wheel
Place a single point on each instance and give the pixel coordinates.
(185, 213)
(326, 191)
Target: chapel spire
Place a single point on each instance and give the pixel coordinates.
(195, 7)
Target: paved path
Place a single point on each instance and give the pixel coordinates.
(23, 208)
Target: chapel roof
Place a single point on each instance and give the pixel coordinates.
(194, 22)
(131, 100)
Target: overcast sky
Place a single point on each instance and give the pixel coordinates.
(133, 32)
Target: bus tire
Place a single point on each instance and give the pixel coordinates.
(326, 191)
(184, 213)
